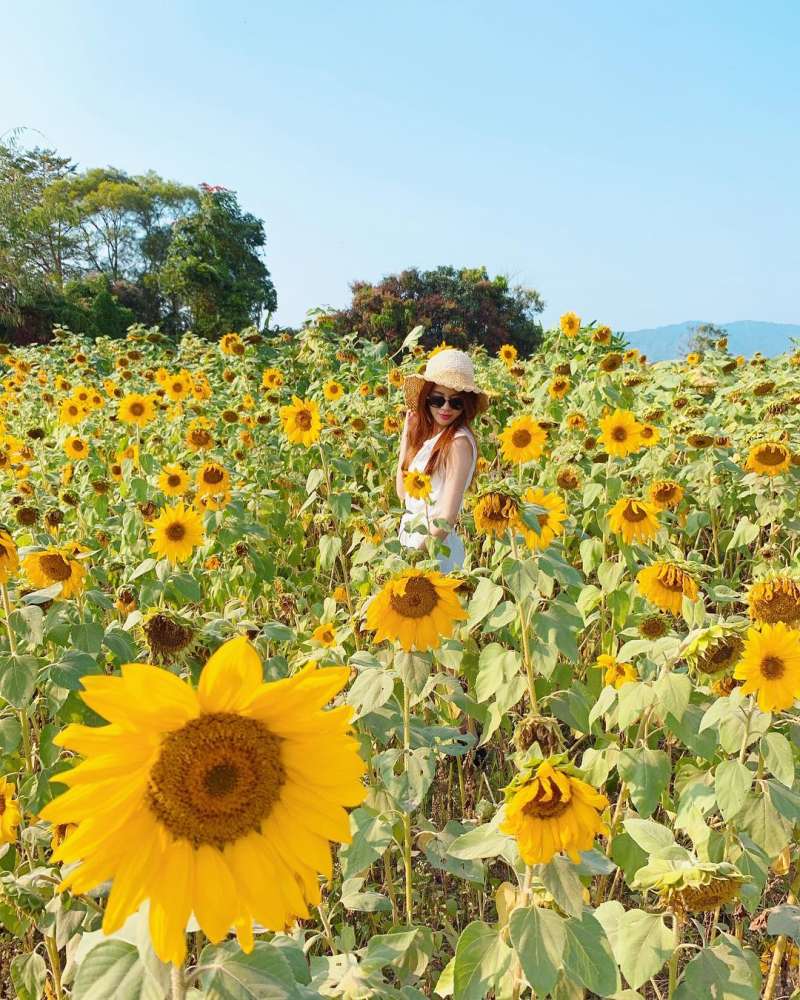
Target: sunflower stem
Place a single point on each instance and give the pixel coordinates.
(24, 721)
(407, 814)
(55, 966)
(523, 625)
(673, 962)
(780, 945)
(177, 983)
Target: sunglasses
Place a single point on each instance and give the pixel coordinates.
(439, 401)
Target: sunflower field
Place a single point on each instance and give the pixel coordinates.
(253, 748)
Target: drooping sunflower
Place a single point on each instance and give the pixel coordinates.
(559, 387)
(775, 599)
(570, 324)
(549, 810)
(173, 480)
(495, 513)
(9, 560)
(10, 814)
(212, 478)
(176, 532)
(170, 636)
(636, 520)
(665, 494)
(770, 666)
(231, 793)
(551, 522)
(301, 421)
(333, 390)
(665, 584)
(714, 650)
(136, 409)
(417, 608)
(417, 484)
(568, 477)
(507, 354)
(615, 674)
(653, 627)
(611, 362)
(523, 440)
(325, 634)
(691, 886)
(620, 433)
(769, 458)
(76, 448)
(55, 565)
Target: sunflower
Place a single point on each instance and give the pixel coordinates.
(212, 478)
(173, 480)
(665, 584)
(176, 533)
(770, 458)
(570, 324)
(559, 387)
(653, 627)
(418, 608)
(548, 809)
(55, 565)
(231, 343)
(615, 674)
(691, 886)
(301, 421)
(136, 409)
(523, 440)
(636, 520)
(576, 422)
(417, 484)
(198, 435)
(620, 433)
(10, 814)
(325, 634)
(495, 513)
(610, 363)
(665, 494)
(649, 435)
(602, 335)
(179, 386)
(776, 599)
(332, 391)
(444, 346)
(169, 635)
(364, 390)
(715, 650)
(395, 378)
(271, 378)
(551, 522)
(507, 354)
(391, 424)
(75, 447)
(231, 793)
(693, 358)
(568, 477)
(9, 559)
(770, 666)
(71, 412)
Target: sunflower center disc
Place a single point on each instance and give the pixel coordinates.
(521, 438)
(216, 779)
(213, 475)
(619, 434)
(173, 480)
(55, 567)
(137, 409)
(303, 420)
(175, 532)
(634, 512)
(418, 600)
(769, 454)
(772, 668)
(543, 807)
(671, 578)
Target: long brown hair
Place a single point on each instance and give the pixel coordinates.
(426, 427)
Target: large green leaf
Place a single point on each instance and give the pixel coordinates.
(724, 972)
(18, 679)
(482, 958)
(647, 773)
(539, 939)
(732, 781)
(641, 941)
(114, 969)
(228, 974)
(28, 974)
(588, 957)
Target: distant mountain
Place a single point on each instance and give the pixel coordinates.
(744, 337)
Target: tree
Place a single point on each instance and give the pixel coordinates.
(463, 307)
(704, 336)
(214, 265)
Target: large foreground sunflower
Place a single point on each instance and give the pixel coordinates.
(301, 421)
(665, 584)
(549, 810)
(770, 666)
(620, 433)
(636, 520)
(55, 565)
(10, 814)
(551, 522)
(418, 608)
(523, 440)
(176, 533)
(230, 794)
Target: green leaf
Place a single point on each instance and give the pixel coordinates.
(408, 950)
(229, 974)
(561, 881)
(496, 665)
(141, 569)
(371, 835)
(673, 692)
(732, 782)
(18, 679)
(481, 959)
(483, 842)
(642, 945)
(649, 835)
(121, 644)
(588, 956)
(370, 690)
(633, 699)
(777, 753)
(539, 939)
(329, 548)
(767, 828)
(784, 920)
(28, 973)
(114, 969)
(647, 773)
(414, 669)
(341, 504)
(485, 599)
(724, 972)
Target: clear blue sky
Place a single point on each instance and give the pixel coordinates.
(634, 161)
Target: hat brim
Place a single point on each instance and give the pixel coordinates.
(412, 387)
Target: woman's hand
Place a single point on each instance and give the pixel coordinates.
(408, 426)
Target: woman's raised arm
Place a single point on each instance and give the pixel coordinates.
(457, 470)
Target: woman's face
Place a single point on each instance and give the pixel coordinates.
(444, 415)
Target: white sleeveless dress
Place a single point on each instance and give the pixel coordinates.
(414, 516)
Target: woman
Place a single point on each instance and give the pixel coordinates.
(438, 440)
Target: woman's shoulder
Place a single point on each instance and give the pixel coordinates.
(464, 432)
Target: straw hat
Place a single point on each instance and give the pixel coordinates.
(450, 367)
